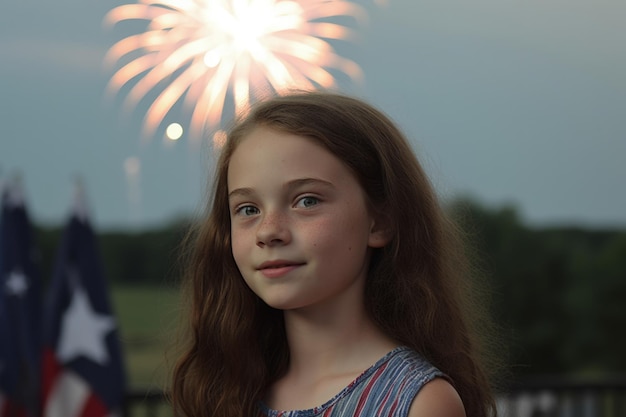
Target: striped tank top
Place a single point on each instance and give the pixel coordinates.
(386, 389)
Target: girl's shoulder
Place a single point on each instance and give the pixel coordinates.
(387, 388)
(438, 398)
(395, 384)
(412, 375)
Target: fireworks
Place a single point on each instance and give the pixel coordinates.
(212, 53)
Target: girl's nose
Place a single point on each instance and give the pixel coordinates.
(273, 230)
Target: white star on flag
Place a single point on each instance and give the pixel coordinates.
(83, 331)
(16, 284)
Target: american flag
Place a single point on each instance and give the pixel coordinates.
(20, 309)
(83, 373)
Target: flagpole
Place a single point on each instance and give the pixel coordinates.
(79, 206)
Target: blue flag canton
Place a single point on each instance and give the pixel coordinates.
(20, 306)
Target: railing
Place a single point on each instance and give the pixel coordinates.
(564, 397)
(530, 397)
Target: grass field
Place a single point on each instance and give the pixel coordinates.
(147, 317)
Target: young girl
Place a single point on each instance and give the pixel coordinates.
(326, 279)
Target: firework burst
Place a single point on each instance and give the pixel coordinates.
(201, 52)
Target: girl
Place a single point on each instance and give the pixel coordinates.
(326, 279)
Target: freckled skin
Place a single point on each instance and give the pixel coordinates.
(292, 200)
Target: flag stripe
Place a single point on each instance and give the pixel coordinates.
(68, 396)
(94, 408)
(51, 369)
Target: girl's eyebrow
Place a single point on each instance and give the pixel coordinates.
(300, 182)
(293, 184)
(243, 192)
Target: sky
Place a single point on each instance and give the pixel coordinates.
(510, 102)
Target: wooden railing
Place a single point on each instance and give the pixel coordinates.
(530, 397)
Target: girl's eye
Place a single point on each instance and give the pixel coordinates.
(247, 210)
(307, 201)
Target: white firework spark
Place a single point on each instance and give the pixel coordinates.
(203, 50)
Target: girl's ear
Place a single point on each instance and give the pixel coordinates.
(381, 231)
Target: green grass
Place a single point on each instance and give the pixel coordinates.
(147, 316)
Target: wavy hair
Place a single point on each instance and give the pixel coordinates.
(418, 289)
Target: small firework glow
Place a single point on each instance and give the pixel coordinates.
(201, 52)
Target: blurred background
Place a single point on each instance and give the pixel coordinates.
(515, 108)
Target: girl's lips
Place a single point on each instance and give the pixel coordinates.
(276, 269)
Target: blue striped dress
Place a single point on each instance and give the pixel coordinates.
(386, 389)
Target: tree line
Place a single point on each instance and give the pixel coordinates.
(557, 294)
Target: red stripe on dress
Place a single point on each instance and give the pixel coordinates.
(394, 405)
(383, 403)
(368, 388)
(396, 401)
(329, 410)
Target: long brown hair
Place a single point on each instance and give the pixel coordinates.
(417, 290)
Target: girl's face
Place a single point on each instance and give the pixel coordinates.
(300, 227)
